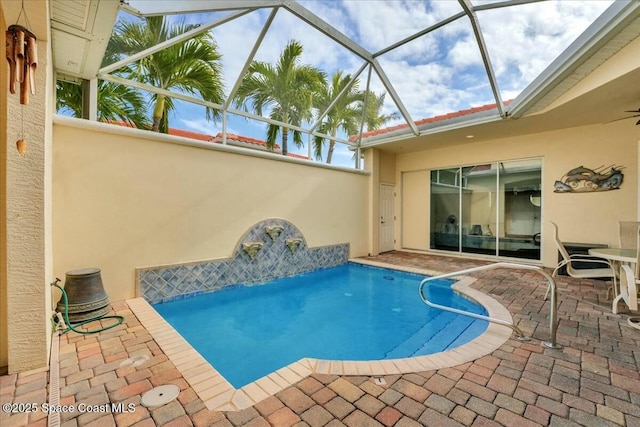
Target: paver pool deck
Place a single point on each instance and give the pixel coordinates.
(593, 380)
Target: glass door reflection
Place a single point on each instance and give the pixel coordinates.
(490, 209)
(520, 214)
(479, 209)
(445, 209)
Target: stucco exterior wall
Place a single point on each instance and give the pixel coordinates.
(412, 211)
(382, 167)
(372, 160)
(387, 168)
(4, 351)
(122, 200)
(26, 261)
(583, 217)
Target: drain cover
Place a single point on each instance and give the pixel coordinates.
(379, 381)
(160, 395)
(134, 361)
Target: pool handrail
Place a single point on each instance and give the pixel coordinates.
(553, 324)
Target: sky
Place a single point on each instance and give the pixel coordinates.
(437, 73)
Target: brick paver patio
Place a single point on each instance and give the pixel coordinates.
(593, 381)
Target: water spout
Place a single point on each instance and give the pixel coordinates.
(293, 243)
(273, 231)
(252, 248)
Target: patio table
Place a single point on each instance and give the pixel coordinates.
(627, 256)
(623, 256)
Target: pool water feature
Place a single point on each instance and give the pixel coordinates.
(349, 312)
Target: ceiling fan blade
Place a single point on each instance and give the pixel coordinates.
(628, 117)
(623, 118)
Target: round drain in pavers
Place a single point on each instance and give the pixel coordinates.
(134, 361)
(160, 395)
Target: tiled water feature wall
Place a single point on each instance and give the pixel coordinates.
(271, 249)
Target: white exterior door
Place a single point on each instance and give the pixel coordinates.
(387, 217)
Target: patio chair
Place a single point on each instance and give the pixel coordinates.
(628, 234)
(603, 268)
(629, 283)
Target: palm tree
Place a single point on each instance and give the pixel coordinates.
(192, 66)
(345, 115)
(115, 103)
(287, 89)
(374, 119)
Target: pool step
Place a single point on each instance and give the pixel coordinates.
(445, 331)
(410, 345)
(457, 331)
(475, 329)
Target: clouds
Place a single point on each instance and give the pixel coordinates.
(437, 73)
(379, 24)
(528, 38)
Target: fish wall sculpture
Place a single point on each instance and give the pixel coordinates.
(583, 180)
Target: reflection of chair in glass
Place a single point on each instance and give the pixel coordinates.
(628, 233)
(603, 270)
(629, 281)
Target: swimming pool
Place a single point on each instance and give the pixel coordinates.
(349, 312)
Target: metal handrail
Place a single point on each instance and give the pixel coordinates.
(553, 324)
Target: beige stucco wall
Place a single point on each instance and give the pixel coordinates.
(25, 194)
(382, 167)
(412, 208)
(372, 162)
(585, 217)
(122, 200)
(4, 353)
(387, 168)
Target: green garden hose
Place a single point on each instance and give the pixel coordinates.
(70, 327)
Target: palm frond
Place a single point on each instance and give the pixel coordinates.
(192, 66)
(286, 89)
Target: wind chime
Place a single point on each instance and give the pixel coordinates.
(22, 56)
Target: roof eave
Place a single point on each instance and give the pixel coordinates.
(468, 120)
(538, 94)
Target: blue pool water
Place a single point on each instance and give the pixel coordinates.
(349, 312)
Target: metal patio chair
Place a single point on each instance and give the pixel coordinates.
(604, 270)
(628, 233)
(629, 281)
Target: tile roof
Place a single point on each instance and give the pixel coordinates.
(298, 156)
(217, 138)
(247, 140)
(434, 119)
(189, 134)
(241, 138)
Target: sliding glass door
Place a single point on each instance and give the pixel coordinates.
(479, 209)
(519, 183)
(490, 209)
(445, 209)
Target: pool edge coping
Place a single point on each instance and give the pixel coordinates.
(219, 395)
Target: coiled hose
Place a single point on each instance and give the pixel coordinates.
(71, 327)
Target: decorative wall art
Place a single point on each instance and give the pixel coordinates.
(273, 260)
(584, 180)
(22, 56)
(21, 52)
